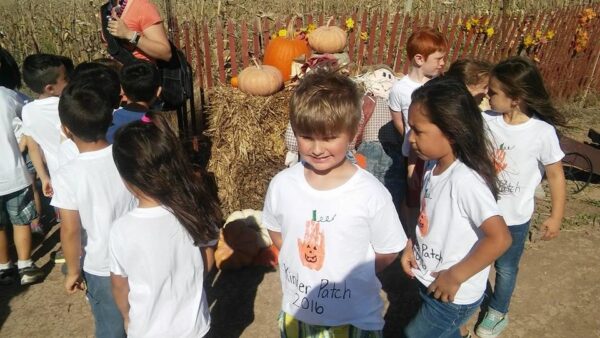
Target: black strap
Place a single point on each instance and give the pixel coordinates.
(114, 46)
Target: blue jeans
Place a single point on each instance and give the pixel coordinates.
(507, 267)
(438, 319)
(386, 163)
(108, 319)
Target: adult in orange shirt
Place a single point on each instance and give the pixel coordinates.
(139, 23)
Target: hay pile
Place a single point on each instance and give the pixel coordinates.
(248, 147)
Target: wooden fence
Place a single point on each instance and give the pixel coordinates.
(218, 50)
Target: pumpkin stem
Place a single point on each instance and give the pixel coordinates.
(290, 28)
(329, 21)
(255, 62)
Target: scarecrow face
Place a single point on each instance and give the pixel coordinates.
(312, 248)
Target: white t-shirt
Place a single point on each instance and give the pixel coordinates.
(327, 259)
(13, 172)
(165, 274)
(400, 98)
(91, 184)
(453, 206)
(41, 122)
(521, 152)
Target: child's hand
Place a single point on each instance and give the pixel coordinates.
(47, 187)
(445, 286)
(74, 282)
(550, 228)
(408, 260)
(413, 180)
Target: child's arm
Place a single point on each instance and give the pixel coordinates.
(496, 240)
(556, 180)
(408, 260)
(413, 180)
(70, 240)
(38, 164)
(383, 260)
(276, 238)
(120, 291)
(208, 257)
(398, 121)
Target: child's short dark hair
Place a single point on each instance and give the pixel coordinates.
(101, 76)
(140, 81)
(10, 76)
(40, 70)
(325, 102)
(85, 110)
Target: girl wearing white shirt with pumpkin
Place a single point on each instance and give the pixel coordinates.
(460, 231)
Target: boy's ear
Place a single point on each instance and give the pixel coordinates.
(48, 89)
(419, 59)
(66, 131)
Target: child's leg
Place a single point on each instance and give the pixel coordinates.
(439, 319)
(108, 319)
(507, 267)
(290, 327)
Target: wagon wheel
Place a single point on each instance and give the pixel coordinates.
(578, 172)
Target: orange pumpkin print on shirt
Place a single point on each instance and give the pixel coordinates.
(423, 221)
(312, 247)
(500, 159)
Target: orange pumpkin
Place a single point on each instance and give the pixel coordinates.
(282, 50)
(234, 81)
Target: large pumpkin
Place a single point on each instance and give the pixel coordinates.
(282, 50)
(260, 80)
(241, 240)
(328, 39)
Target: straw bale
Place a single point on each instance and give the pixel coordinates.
(248, 148)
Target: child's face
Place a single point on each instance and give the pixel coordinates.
(426, 139)
(56, 89)
(324, 153)
(499, 101)
(434, 64)
(479, 90)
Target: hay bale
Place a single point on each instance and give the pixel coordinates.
(248, 147)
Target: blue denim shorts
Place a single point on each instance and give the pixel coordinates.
(438, 319)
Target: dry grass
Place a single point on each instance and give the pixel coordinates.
(247, 145)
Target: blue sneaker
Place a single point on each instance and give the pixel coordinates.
(492, 324)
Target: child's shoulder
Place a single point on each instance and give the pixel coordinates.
(49, 104)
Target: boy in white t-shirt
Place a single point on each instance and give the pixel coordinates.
(16, 199)
(46, 75)
(90, 195)
(335, 224)
(426, 49)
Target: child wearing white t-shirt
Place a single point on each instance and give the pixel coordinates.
(522, 125)
(334, 223)
(426, 50)
(90, 195)
(459, 231)
(46, 75)
(157, 277)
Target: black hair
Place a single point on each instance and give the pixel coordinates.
(449, 105)
(85, 110)
(140, 81)
(101, 76)
(10, 76)
(521, 79)
(40, 70)
(150, 157)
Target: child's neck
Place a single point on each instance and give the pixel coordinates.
(45, 96)
(444, 163)
(86, 147)
(138, 103)
(516, 116)
(331, 179)
(416, 74)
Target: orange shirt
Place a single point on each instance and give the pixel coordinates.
(139, 15)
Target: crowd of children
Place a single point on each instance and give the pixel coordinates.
(138, 228)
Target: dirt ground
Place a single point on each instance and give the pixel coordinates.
(556, 295)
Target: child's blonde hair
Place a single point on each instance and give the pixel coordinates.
(324, 103)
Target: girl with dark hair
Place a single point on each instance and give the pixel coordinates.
(522, 126)
(459, 231)
(160, 250)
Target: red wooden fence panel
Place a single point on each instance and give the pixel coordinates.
(232, 48)
(392, 46)
(382, 37)
(372, 37)
(244, 45)
(207, 57)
